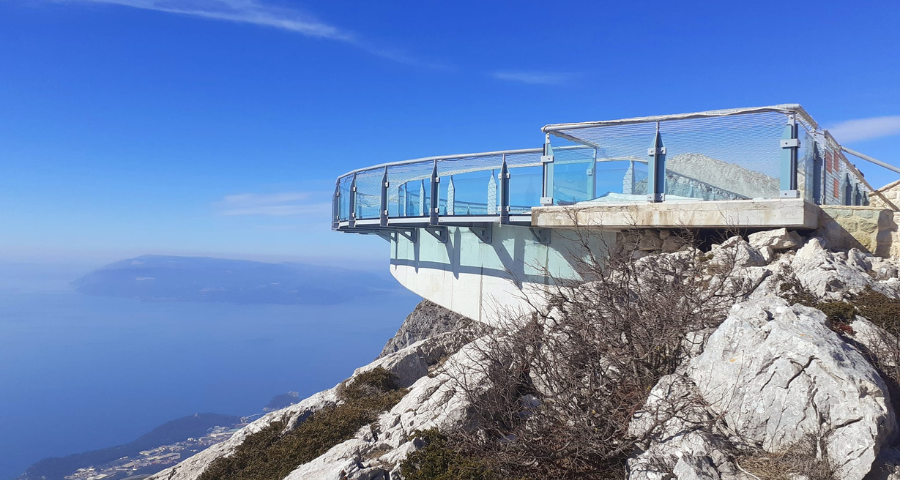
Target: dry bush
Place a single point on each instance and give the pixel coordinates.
(566, 380)
(801, 460)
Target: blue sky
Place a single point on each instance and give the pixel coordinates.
(217, 127)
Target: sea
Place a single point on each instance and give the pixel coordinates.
(81, 372)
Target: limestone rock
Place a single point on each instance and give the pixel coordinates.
(875, 340)
(409, 364)
(884, 269)
(650, 241)
(426, 320)
(778, 239)
(776, 374)
(194, 466)
(433, 401)
(738, 251)
(673, 243)
(682, 443)
(828, 274)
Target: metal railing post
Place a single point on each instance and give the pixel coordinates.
(336, 206)
(656, 169)
(789, 146)
(504, 192)
(352, 216)
(818, 175)
(435, 193)
(547, 162)
(384, 198)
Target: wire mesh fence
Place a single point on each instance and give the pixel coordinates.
(720, 155)
(716, 158)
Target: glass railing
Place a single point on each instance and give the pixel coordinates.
(758, 153)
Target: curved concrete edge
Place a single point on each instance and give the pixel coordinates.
(488, 282)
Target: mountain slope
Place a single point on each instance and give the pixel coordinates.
(55, 468)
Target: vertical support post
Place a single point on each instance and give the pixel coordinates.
(789, 146)
(504, 192)
(846, 190)
(547, 162)
(656, 169)
(336, 206)
(818, 175)
(352, 216)
(592, 178)
(384, 198)
(435, 193)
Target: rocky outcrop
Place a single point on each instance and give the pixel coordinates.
(194, 466)
(376, 451)
(409, 365)
(776, 374)
(426, 320)
(685, 444)
(769, 377)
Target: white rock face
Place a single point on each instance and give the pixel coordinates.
(738, 251)
(778, 239)
(683, 445)
(828, 274)
(777, 373)
(875, 339)
(194, 466)
(768, 376)
(433, 401)
(409, 365)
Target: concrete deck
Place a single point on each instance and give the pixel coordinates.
(790, 213)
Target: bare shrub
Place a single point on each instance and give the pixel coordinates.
(566, 380)
(800, 460)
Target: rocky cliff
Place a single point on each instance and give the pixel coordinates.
(792, 364)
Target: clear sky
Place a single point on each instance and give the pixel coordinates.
(217, 127)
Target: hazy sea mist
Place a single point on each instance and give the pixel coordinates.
(82, 372)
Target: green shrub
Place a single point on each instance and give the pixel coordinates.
(272, 454)
(880, 310)
(439, 460)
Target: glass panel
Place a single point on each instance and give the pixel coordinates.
(525, 185)
(571, 180)
(410, 189)
(368, 194)
(723, 158)
(470, 185)
(344, 199)
(621, 181)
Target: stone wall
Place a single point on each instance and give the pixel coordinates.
(870, 229)
(890, 193)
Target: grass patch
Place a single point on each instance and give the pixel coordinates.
(271, 455)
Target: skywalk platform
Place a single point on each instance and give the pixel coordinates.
(478, 233)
